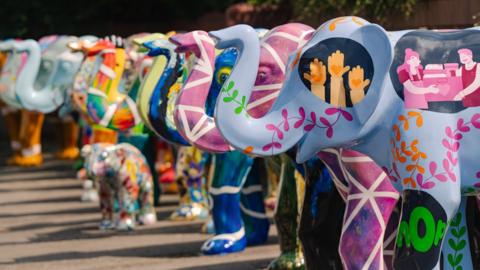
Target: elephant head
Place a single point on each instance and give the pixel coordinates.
(165, 90)
(76, 96)
(9, 72)
(275, 46)
(93, 156)
(151, 77)
(112, 106)
(107, 102)
(46, 76)
(294, 117)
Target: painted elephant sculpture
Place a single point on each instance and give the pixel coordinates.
(109, 105)
(364, 112)
(42, 84)
(124, 184)
(228, 168)
(197, 125)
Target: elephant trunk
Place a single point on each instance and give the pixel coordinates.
(269, 135)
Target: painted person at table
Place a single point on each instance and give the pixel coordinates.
(470, 73)
(410, 74)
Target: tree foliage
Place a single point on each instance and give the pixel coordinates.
(377, 10)
(37, 18)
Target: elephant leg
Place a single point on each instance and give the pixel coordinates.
(230, 173)
(106, 206)
(126, 195)
(69, 136)
(252, 205)
(30, 134)
(147, 214)
(287, 217)
(272, 189)
(12, 119)
(423, 226)
(456, 250)
(390, 236)
(189, 178)
(370, 202)
(102, 134)
(322, 212)
(146, 144)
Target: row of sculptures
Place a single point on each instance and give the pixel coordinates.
(345, 116)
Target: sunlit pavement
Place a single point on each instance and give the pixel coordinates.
(43, 225)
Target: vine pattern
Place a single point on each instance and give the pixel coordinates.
(449, 163)
(452, 145)
(301, 120)
(405, 152)
(457, 245)
(232, 97)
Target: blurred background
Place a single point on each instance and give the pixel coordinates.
(37, 18)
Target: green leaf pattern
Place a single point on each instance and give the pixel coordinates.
(458, 244)
(232, 97)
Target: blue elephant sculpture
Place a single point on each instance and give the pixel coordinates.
(387, 115)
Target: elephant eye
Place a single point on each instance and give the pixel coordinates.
(223, 77)
(223, 74)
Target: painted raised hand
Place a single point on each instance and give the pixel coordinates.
(317, 77)
(357, 84)
(335, 65)
(336, 70)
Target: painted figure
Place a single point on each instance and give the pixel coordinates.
(411, 74)
(124, 183)
(470, 73)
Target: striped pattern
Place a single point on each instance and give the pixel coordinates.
(370, 199)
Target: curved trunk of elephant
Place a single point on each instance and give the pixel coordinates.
(159, 101)
(9, 71)
(113, 115)
(50, 96)
(272, 134)
(26, 77)
(153, 76)
(190, 117)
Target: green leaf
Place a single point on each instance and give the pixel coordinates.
(458, 217)
(243, 100)
(463, 230)
(239, 110)
(459, 268)
(461, 245)
(458, 259)
(234, 94)
(227, 99)
(450, 260)
(452, 244)
(230, 85)
(455, 232)
(224, 90)
(454, 223)
(248, 116)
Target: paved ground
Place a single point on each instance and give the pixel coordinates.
(43, 225)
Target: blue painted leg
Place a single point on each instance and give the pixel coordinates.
(230, 173)
(253, 207)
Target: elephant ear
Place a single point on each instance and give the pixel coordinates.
(376, 41)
